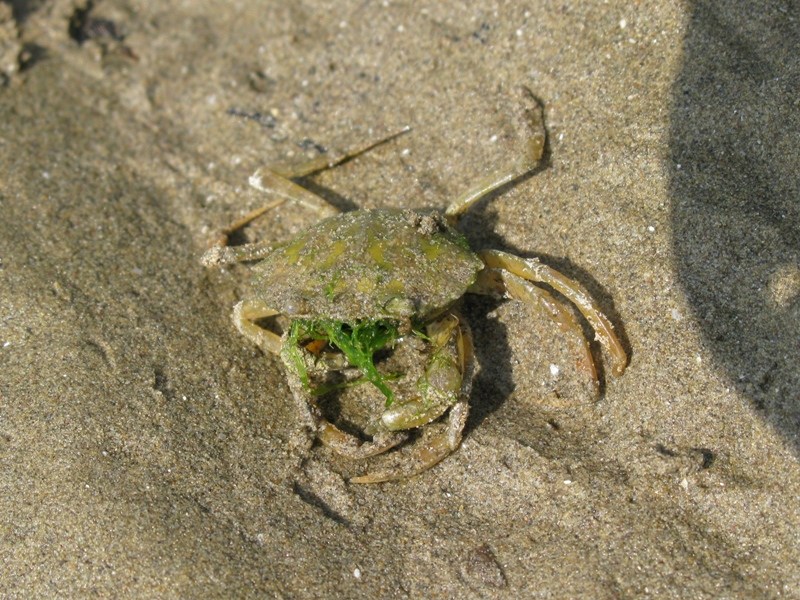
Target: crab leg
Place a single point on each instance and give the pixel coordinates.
(278, 181)
(219, 254)
(428, 453)
(535, 271)
(533, 121)
(503, 284)
(334, 159)
(245, 313)
(269, 182)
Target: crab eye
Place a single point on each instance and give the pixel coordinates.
(400, 306)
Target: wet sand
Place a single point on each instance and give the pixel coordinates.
(146, 449)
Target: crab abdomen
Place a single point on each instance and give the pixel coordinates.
(369, 264)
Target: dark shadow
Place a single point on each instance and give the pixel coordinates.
(735, 184)
(494, 384)
(331, 197)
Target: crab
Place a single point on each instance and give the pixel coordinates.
(363, 284)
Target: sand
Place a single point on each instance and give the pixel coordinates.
(148, 450)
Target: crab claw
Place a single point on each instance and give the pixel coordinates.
(425, 454)
(445, 385)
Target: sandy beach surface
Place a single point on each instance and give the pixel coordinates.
(147, 450)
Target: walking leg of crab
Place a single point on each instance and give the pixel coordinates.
(333, 159)
(278, 181)
(535, 271)
(245, 314)
(533, 123)
(270, 182)
(222, 240)
(503, 284)
(219, 254)
(264, 180)
(446, 383)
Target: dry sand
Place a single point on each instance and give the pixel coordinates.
(147, 450)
